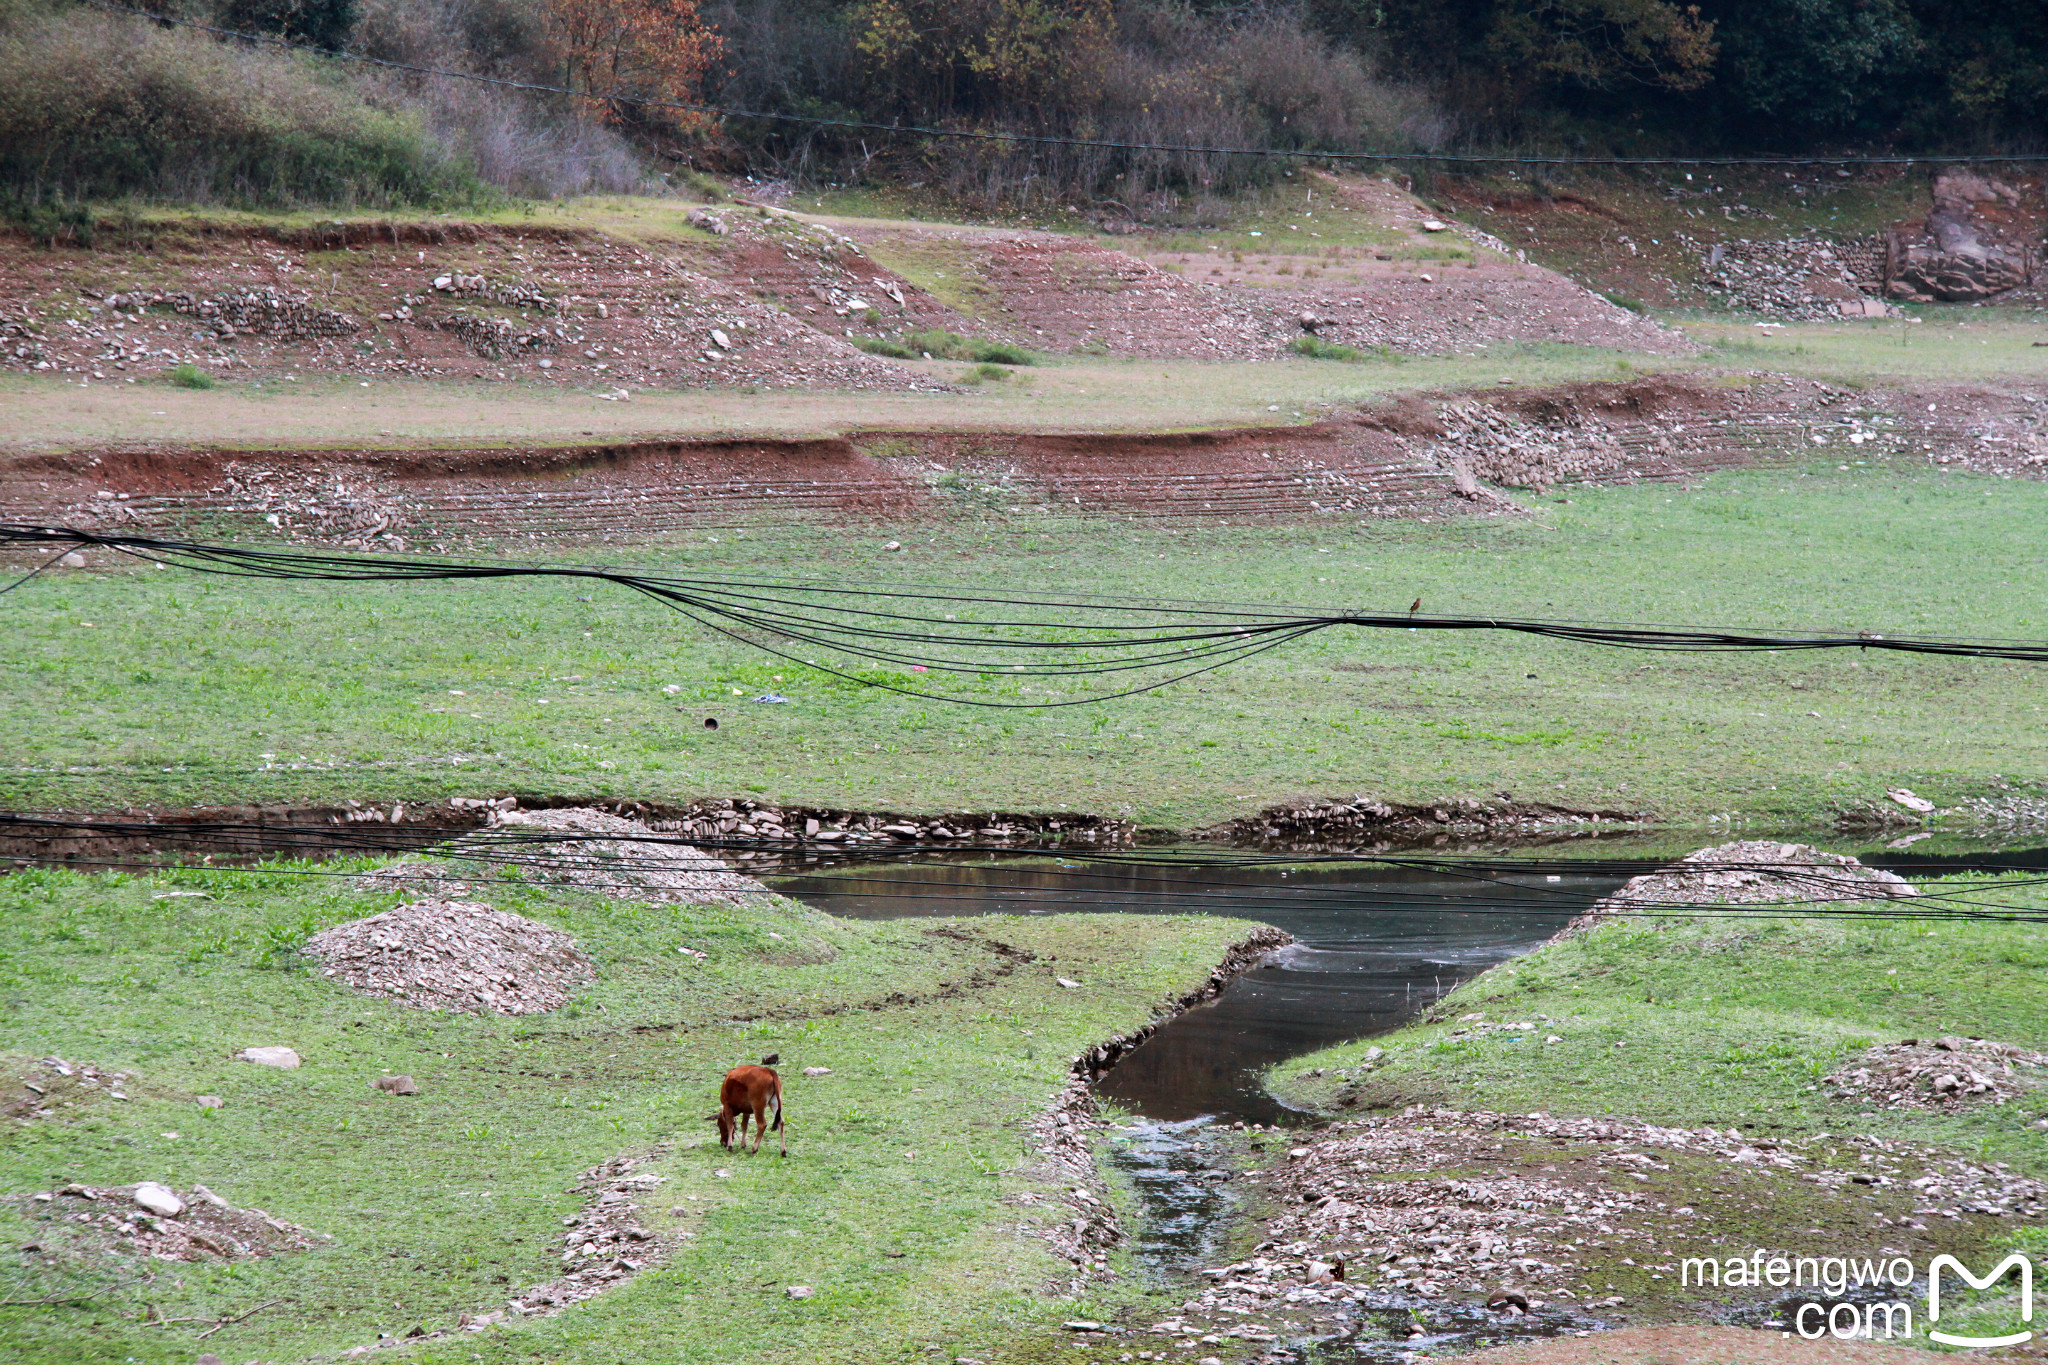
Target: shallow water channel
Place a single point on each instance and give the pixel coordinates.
(1374, 947)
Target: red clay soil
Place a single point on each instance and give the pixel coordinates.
(1401, 459)
(579, 309)
(1696, 1346)
(1064, 294)
(742, 299)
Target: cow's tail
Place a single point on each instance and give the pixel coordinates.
(778, 1104)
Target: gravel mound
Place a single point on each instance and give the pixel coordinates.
(455, 955)
(634, 863)
(101, 1220)
(1938, 1073)
(1749, 872)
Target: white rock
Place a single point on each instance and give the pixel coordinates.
(817, 1071)
(799, 1291)
(1070, 985)
(159, 1199)
(720, 339)
(444, 281)
(270, 1056)
(1432, 225)
(71, 559)
(1910, 801)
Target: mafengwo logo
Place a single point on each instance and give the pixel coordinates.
(2016, 1261)
(1866, 1318)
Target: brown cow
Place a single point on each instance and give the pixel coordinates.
(749, 1090)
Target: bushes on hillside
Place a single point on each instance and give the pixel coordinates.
(95, 105)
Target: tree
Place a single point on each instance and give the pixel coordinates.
(322, 23)
(628, 55)
(985, 58)
(1604, 44)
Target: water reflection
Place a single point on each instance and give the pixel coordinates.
(1375, 945)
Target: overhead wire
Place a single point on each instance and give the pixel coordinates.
(1054, 140)
(1010, 635)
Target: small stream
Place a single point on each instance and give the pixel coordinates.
(1374, 947)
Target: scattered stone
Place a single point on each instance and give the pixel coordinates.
(1910, 801)
(455, 955)
(159, 1199)
(1068, 983)
(71, 559)
(396, 1085)
(798, 1291)
(270, 1056)
(817, 1071)
(212, 1102)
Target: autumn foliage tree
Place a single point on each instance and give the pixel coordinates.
(630, 57)
(985, 58)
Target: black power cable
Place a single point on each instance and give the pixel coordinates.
(1015, 635)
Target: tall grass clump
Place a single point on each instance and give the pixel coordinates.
(96, 106)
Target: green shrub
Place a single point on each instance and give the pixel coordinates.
(895, 350)
(944, 345)
(190, 376)
(1624, 301)
(1001, 353)
(1315, 348)
(983, 374)
(98, 106)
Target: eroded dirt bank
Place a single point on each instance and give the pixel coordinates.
(1421, 456)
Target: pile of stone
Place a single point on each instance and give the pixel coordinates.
(1363, 815)
(510, 293)
(1940, 1073)
(150, 1220)
(628, 860)
(455, 955)
(1803, 279)
(496, 338)
(1749, 872)
(249, 312)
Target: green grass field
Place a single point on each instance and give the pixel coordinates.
(891, 1205)
(167, 688)
(1727, 1022)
